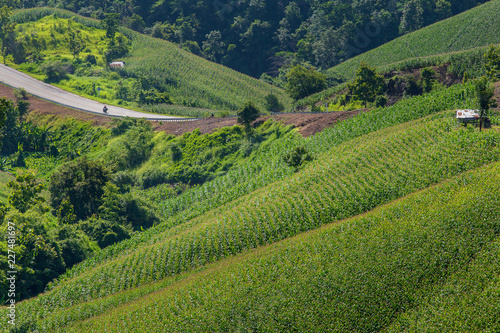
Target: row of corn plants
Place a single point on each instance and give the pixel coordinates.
(267, 165)
(192, 79)
(350, 179)
(359, 275)
(477, 27)
(467, 302)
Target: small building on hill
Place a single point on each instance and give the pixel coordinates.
(467, 116)
(471, 116)
(117, 64)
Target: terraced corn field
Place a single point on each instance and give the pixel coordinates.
(194, 80)
(349, 179)
(362, 274)
(267, 165)
(478, 27)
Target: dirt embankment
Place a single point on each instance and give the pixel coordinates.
(307, 124)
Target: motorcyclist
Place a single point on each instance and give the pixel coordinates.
(105, 109)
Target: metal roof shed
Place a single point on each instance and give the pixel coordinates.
(467, 116)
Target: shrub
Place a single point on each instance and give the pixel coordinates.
(55, 70)
(428, 79)
(153, 177)
(367, 85)
(297, 157)
(21, 94)
(247, 114)
(91, 59)
(74, 245)
(105, 233)
(273, 104)
(81, 182)
(381, 101)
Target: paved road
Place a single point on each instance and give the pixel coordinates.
(38, 88)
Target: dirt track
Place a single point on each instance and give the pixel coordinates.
(308, 124)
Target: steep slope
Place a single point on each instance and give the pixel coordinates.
(351, 276)
(347, 180)
(478, 27)
(267, 166)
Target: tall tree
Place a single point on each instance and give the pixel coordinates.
(7, 30)
(367, 85)
(412, 17)
(25, 192)
(484, 94)
(76, 45)
(303, 82)
(111, 22)
(247, 114)
(82, 184)
(492, 65)
(213, 46)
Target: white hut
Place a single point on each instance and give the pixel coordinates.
(117, 64)
(467, 116)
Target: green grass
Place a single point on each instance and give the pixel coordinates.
(190, 80)
(478, 27)
(357, 275)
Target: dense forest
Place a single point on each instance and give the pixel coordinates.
(259, 37)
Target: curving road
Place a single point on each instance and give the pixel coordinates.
(38, 88)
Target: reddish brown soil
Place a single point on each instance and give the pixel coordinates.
(42, 107)
(308, 124)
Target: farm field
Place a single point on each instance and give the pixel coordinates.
(362, 274)
(429, 221)
(476, 28)
(266, 166)
(346, 180)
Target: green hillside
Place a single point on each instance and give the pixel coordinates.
(357, 275)
(345, 180)
(266, 166)
(380, 246)
(190, 81)
(390, 225)
(477, 27)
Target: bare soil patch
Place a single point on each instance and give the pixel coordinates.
(307, 124)
(39, 106)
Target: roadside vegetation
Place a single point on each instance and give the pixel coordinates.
(74, 52)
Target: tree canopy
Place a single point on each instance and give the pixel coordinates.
(251, 37)
(492, 65)
(81, 182)
(304, 81)
(247, 114)
(367, 85)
